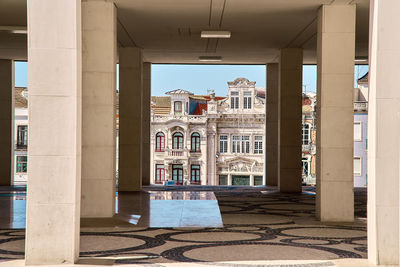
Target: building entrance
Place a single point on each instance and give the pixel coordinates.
(240, 180)
(177, 173)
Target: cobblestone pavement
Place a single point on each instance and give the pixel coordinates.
(259, 224)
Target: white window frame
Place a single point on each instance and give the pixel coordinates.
(236, 144)
(306, 141)
(223, 143)
(258, 144)
(361, 130)
(245, 144)
(354, 169)
(234, 95)
(247, 100)
(308, 161)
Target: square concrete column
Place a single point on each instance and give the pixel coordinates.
(6, 121)
(130, 119)
(98, 108)
(146, 99)
(384, 133)
(336, 46)
(289, 119)
(54, 146)
(271, 133)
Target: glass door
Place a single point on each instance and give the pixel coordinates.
(177, 174)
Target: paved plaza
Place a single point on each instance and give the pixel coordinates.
(259, 224)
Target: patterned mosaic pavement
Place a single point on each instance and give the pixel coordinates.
(258, 225)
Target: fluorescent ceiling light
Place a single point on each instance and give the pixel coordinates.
(210, 58)
(361, 60)
(14, 29)
(215, 34)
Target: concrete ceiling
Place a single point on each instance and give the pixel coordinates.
(169, 30)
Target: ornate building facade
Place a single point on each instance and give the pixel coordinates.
(209, 140)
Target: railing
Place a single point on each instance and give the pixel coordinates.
(360, 106)
(175, 152)
(184, 118)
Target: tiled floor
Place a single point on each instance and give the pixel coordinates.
(259, 224)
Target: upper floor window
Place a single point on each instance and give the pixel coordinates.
(160, 142)
(178, 108)
(195, 142)
(177, 140)
(247, 100)
(246, 144)
(234, 100)
(258, 145)
(241, 144)
(306, 134)
(22, 164)
(223, 144)
(357, 131)
(22, 136)
(357, 167)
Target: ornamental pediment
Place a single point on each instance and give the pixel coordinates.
(241, 164)
(241, 82)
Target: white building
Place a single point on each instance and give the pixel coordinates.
(209, 140)
(20, 164)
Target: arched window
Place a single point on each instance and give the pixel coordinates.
(160, 142)
(178, 108)
(195, 142)
(177, 141)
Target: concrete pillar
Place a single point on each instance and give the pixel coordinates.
(336, 46)
(146, 99)
(289, 119)
(6, 121)
(98, 108)
(54, 146)
(271, 132)
(251, 180)
(383, 133)
(130, 119)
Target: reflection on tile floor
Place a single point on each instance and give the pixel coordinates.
(169, 209)
(257, 226)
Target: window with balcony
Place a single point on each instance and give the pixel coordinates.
(178, 108)
(258, 144)
(195, 142)
(160, 174)
(306, 134)
(22, 136)
(235, 100)
(223, 144)
(177, 140)
(247, 100)
(22, 164)
(195, 174)
(160, 142)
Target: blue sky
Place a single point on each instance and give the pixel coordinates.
(199, 78)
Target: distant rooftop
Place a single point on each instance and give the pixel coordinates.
(178, 92)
